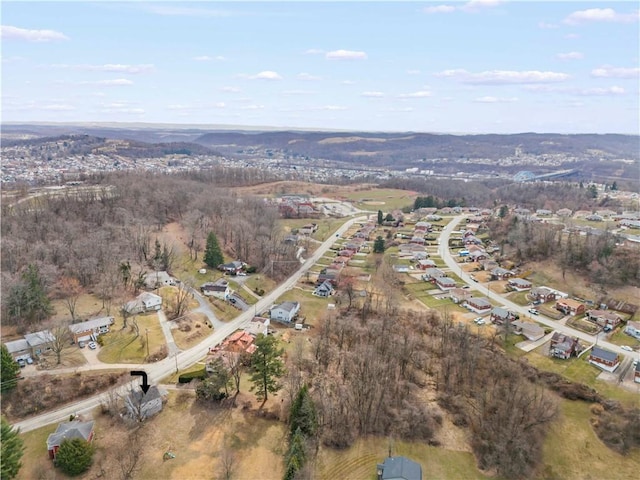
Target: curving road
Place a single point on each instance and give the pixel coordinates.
(445, 254)
(159, 370)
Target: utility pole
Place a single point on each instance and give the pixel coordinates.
(147, 342)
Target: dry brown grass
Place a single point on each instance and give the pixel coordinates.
(191, 330)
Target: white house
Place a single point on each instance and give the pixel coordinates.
(94, 327)
(257, 326)
(285, 312)
(633, 329)
(145, 302)
(143, 405)
(158, 279)
(218, 289)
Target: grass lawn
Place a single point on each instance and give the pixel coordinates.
(87, 306)
(260, 281)
(169, 294)
(573, 451)
(35, 462)
(186, 339)
(311, 307)
(359, 461)
(326, 226)
(580, 370)
(519, 298)
(621, 338)
(385, 199)
(122, 346)
(223, 310)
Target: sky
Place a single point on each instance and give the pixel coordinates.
(481, 66)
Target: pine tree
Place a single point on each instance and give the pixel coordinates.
(267, 366)
(74, 456)
(212, 253)
(380, 217)
(12, 449)
(378, 245)
(10, 370)
(303, 415)
(28, 300)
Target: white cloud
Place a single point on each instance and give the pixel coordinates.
(59, 107)
(314, 51)
(346, 55)
(179, 11)
(307, 76)
(116, 82)
(230, 89)
(600, 15)
(495, 99)
(220, 105)
(570, 56)
(400, 109)
(547, 26)
(439, 9)
(203, 58)
(121, 107)
(419, 94)
(266, 75)
(497, 77)
(614, 90)
(111, 67)
(608, 71)
(348, 82)
(252, 107)
(298, 92)
(572, 36)
(332, 107)
(413, 72)
(14, 33)
(178, 106)
(372, 94)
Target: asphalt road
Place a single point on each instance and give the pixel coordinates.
(186, 358)
(443, 250)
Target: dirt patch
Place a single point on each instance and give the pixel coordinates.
(372, 202)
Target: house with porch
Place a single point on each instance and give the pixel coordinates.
(286, 312)
(69, 431)
(430, 274)
(232, 268)
(542, 294)
(500, 273)
(425, 264)
(479, 305)
(460, 295)
(604, 318)
(325, 289)
(218, 289)
(563, 346)
(445, 283)
(145, 302)
(519, 284)
(569, 306)
(89, 330)
(604, 359)
(501, 315)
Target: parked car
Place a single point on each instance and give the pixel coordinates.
(241, 274)
(81, 344)
(29, 361)
(93, 345)
(627, 348)
(21, 362)
(478, 320)
(533, 311)
(232, 300)
(481, 322)
(607, 328)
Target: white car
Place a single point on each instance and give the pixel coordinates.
(93, 345)
(627, 348)
(481, 322)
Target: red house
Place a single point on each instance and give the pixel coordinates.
(68, 431)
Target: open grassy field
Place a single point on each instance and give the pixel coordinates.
(573, 451)
(311, 307)
(122, 346)
(326, 226)
(87, 306)
(385, 199)
(192, 329)
(621, 338)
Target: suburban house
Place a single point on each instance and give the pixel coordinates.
(431, 274)
(308, 229)
(569, 306)
(145, 302)
(399, 468)
(445, 283)
(543, 212)
(416, 240)
(519, 284)
(285, 312)
(324, 289)
(142, 405)
(19, 349)
(240, 342)
(257, 326)
(542, 294)
(459, 295)
(422, 227)
(89, 330)
(501, 315)
(604, 359)
(477, 255)
(604, 318)
(232, 268)
(218, 289)
(500, 273)
(426, 263)
(564, 212)
(68, 431)
(636, 373)
(563, 346)
(529, 330)
(39, 342)
(328, 274)
(158, 279)
(633, 329)
(479, 305)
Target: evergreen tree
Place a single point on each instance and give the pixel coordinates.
(303, 416)
(267, 366)
(296, 456)
(10, 370)
(28, 299)
(11, 450)
(378, 245)
(503, 211)
(74, 456)
(380, 217)
(212, 253)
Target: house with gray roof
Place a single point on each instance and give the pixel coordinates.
(399, 468)
(39, 342)
(285, 312)
(85, 331)
(19, 349)
(141, 405)
(69, 431)
(604, 359)
(519, 284)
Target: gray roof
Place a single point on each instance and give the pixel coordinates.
(480, 302)
(288, 306)
(138, 397)
(17, 345)
(69, 430)
(604, 354)
(91, 324)
(520, 281)
(401, 468)
(500, 312)
(39, 338)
